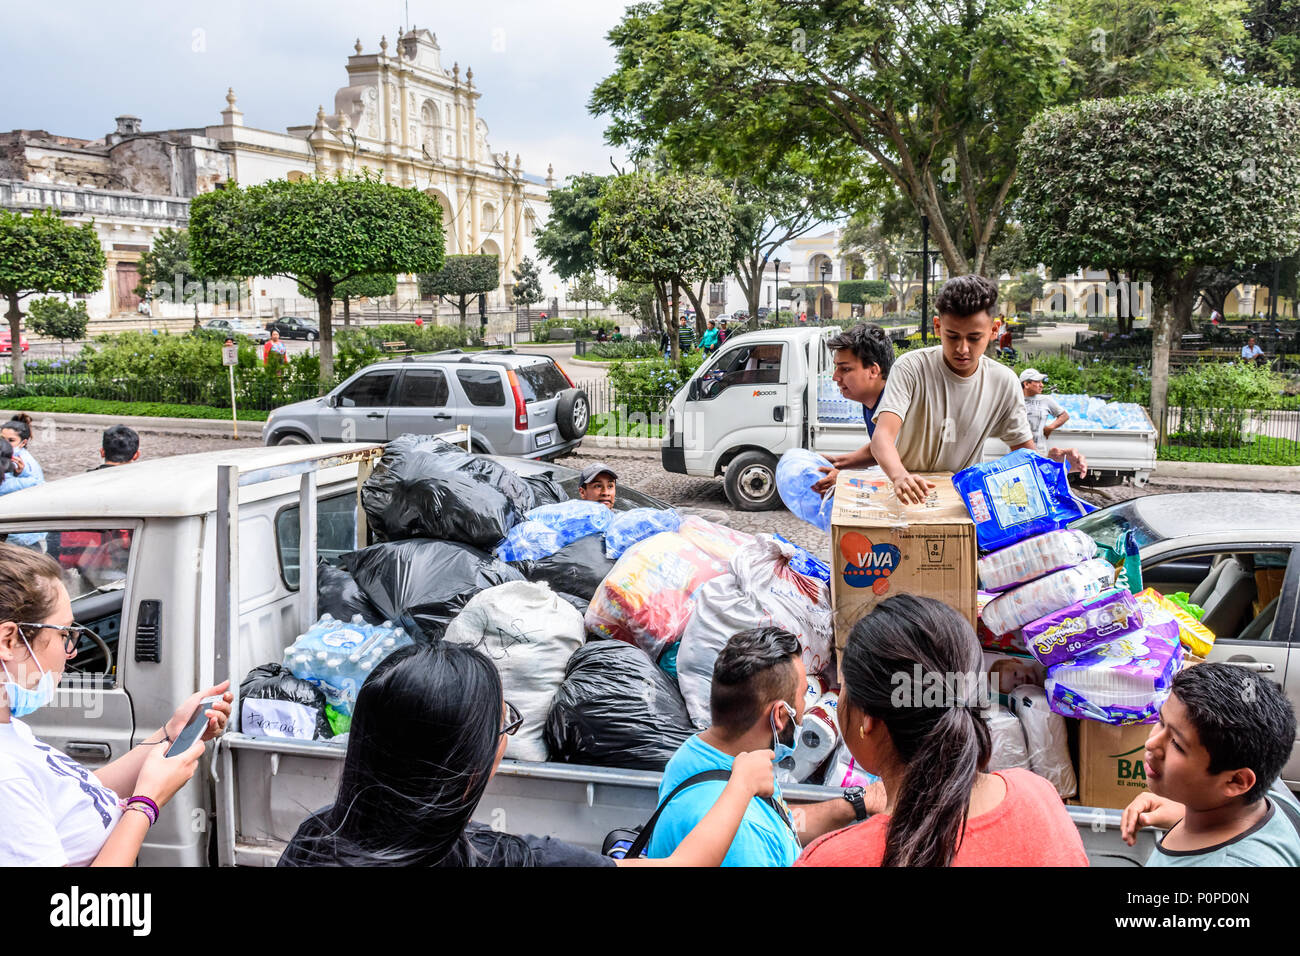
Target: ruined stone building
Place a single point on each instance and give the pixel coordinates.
(401, 113)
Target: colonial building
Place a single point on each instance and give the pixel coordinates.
(401, 113)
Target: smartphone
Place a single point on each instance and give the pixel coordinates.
(194, 729)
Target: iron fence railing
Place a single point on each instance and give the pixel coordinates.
(1267, 436)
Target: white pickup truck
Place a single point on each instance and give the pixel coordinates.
(764, 393)
(199, 567)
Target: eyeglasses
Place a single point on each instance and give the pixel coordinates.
(72, 633)
(513, 720)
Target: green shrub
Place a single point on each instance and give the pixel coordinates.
(582, 328)
(648, 387)
(624, 350)
(91, 406)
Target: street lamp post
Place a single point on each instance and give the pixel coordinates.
(821, 301)
(776, 292)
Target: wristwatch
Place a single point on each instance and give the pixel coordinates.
(854, 796)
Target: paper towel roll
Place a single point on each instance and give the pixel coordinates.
(1009, 747)
(1045, 736)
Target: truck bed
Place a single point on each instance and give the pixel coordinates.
(277, 783)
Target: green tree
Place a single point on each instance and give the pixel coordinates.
(58, 319)
(862, 291)
(167, 275)
(1272, 48)
(565, 240)
(669, 231)
(1025, 290)
(461, 280)
(528, 283)
(363, 287)
(40, 254)
(1174, 181)
(321, 232)
(588, 290)
(637, 299)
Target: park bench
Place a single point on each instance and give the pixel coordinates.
(495, 341)
(396, 348)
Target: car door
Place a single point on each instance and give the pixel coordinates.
(1261, 637)
(837, 426)
(741, 398)
(491, 408)
(423, 404)
(358, 410)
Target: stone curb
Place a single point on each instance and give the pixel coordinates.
(632, 444)
(174, 426)
(1226, 472)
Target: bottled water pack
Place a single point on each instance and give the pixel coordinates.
(338, 656)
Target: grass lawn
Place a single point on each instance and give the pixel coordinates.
(614, 425)
(1265, 451)
(94, 406)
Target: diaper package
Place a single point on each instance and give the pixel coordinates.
(1045, 738)
(1195, 636)
(1016, 497)
(1016, 608)
(990, 641)
(1009, 747)
(843, 771)
(1035, 557)
(1065, 634)
(1123, 682)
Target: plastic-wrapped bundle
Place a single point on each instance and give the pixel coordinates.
(647, 598)
(807, 563)
(1009, 746)
(423, 584)
(615, 708)
(573, 519)
(1123, 682)
(1016, 608)
(530, 634)
(796, 473)
(1195, 636)
(1045, 738)
(843, 771)
(990, 641)
(817, 739)
(628, 527)
(275, 703)
(338, 656)
(759, 590)
(714, 539)
(1034, 557)
(577, 568)
(1069, 632)
(1016, 497)
(529, 541)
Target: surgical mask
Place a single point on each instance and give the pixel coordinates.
(23, 701)
(785, 751)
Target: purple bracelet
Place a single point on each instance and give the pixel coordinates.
(147, 805)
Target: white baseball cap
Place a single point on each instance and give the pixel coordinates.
(1032, 375)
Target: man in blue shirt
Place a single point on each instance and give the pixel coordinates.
(756, 703)
(863, 356)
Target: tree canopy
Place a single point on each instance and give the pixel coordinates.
(57, 319)
(588, 290)
(320, 232)
(167, 275)
(40, 254)
(461, 280)
(565, 240)
(1174, 182)
(528, 283)
(862, 291)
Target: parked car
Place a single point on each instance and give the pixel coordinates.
(514, 403)
(244, 327)
(6, 343)
(294, 327)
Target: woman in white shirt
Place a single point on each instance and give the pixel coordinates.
(56, 812)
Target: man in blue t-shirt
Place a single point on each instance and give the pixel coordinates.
(1223, 736)
(756, 703)
(863, 357)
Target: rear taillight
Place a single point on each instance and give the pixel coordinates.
(521, 409)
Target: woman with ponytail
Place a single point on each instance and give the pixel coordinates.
(910, 713)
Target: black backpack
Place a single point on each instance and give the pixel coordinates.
(631, 844)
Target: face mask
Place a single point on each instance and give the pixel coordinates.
(784, 751)
(23, 701)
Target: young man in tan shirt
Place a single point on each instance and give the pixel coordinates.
(941, 403)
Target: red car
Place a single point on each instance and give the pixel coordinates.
(6, 343)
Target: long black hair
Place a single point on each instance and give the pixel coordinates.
(935, 726)
(424, 738)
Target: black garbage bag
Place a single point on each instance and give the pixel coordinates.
(423, 487)
(526, 492)
(578, 568)
(422, 584)
(274, 703)
(339, 596)
(615, 708)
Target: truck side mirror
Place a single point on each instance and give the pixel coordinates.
(693, 393)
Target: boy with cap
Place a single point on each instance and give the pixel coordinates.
(941, 403)
(1223, 737)
(597, 483)
(1038, 406)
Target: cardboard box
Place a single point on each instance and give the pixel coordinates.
(1111, 768)
(882, 547)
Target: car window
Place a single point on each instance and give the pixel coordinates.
(336, 534)
(745, 365)
(482, 386)
(540, 381)
(422, 388)
(369, 391)
(1237, 591)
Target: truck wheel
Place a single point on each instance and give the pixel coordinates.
(750, 482)
(573, 414)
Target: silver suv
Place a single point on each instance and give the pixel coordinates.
(515, 404)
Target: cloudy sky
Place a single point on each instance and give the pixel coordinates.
(70, 66)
